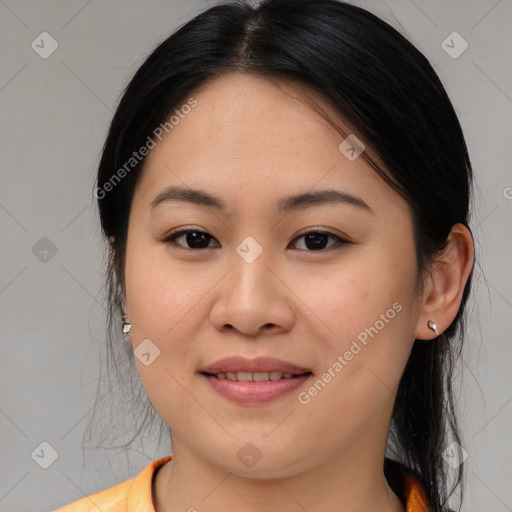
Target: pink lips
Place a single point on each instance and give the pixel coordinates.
(260, 364)
(254, 393)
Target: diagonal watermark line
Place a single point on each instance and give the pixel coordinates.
(286, 491)
(383, 383)
(199, 301)
(495, 495)
(485, 218)
(302, 301)
(85, 415)
(73, 219)
(424, 14)
(216, 487)
(501, 295)
(15, 75)
(13, 279)
(13, 13)
(279, 424)
(14, 485)
(198, 402)
(485, 426)
(14, 218)
(85, 495)
(75, 15)
(485, 15)
(3, 412)
(83, 287)
(492, 81)
(86, 86)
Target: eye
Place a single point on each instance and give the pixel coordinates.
(316, 239)
(195, 239)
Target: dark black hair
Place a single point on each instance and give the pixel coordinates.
(388, 94)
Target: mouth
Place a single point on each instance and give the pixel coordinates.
(254, 381)
(258, 369)
(255, 388)
(255, 376)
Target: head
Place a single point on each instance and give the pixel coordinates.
(256, 106)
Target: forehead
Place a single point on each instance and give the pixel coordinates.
(250, 136)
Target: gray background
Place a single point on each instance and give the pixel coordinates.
(55, 113)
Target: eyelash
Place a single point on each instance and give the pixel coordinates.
(170, 239)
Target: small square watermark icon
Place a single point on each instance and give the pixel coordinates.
(44, 250)
(249, 455)
(351, 147)
(454, 45)
(249, 249)
(45, 455)
(454, 455)
(44, 45)
(146, 352)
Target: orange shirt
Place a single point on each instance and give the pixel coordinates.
(134, 495)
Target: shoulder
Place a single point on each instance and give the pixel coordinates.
(109, 499)
(132, 494)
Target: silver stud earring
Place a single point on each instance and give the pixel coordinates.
(126, 326)
(126, 329)
(432, 326)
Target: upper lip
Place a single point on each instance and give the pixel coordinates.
(260, 364)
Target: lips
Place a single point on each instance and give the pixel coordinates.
(237, 364)
(252, 382)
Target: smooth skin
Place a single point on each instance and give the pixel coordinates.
(251, 141)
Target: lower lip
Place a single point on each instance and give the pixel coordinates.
(253, 393)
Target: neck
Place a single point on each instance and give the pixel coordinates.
(191, 483)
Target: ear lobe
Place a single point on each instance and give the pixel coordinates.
(126, 333)
(446, 282)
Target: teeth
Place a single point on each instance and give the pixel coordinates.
(256, 377)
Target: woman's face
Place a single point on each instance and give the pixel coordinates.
(344, 309)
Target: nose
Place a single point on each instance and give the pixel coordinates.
(253, 298)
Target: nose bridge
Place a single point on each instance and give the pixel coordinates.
(250, 267)
(252, 298)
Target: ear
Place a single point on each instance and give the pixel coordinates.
(111, 240)
(127, 337)
(445, 285)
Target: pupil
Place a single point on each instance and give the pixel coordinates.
(201, 238)
(317, 240)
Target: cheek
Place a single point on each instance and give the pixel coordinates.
(355, 292)
(362, 356)
(165, 308)
(364, 311)
(163, 293)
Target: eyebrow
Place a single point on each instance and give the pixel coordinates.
(299, 201)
